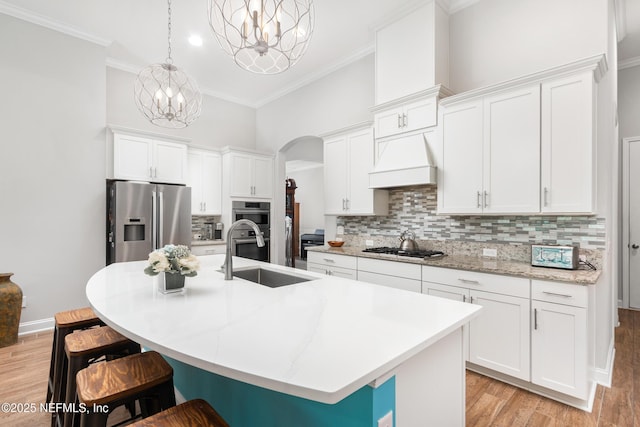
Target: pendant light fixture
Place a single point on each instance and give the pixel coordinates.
(263, 36)
(166, 95)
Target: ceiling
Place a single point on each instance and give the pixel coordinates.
(134, 33)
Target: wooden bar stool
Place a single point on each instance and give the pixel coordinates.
(104, 386)
(66, 323)
(85, 347)
(192, 413)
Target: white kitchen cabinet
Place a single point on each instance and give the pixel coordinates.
(138, 158)
(412, 53)
(491, 154)
(499, 337)
(406, 117)
(348, 159)
(393, 274)
(249, 175)
(205, 180)
(332, 264)
(568, 144)
(559, 338)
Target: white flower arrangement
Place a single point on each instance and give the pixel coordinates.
(173, 259)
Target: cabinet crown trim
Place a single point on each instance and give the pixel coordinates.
(120, 130)
(438, 91)
(241, 150)
(347, 129)
(596, 64)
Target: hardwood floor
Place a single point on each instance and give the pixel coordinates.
(24, 368)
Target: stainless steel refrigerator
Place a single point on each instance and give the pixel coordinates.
(144, 217)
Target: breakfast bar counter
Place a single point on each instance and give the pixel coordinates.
(327, 351)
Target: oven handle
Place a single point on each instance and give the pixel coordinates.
(250, 211)
(247, 240)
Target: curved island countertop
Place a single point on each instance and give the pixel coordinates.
(319, 339)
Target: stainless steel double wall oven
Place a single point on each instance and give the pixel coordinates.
(243, 237)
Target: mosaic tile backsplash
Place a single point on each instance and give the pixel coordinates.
(414, 208)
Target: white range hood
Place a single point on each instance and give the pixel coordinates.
(403, 161)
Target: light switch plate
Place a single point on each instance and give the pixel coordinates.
(340, 230)
(386, 421)
(490, 252)
(368, 242)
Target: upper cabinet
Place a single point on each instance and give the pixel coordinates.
(412, 54)
(139, 158)
(348, 159)
(523, 147)
(205, 180)
(248, 175)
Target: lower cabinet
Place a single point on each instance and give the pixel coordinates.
(332, 264)
(390, 273)
(559, 338)
(208, 249)
(499, 337)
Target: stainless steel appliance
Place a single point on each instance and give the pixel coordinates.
(144, 217)
(408, 253)
(217, 233)
(244, 237)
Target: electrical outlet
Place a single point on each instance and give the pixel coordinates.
(24, 301)
(582, 258)
(490, 252)
(340, 230)
(386, 421)
(368, 242)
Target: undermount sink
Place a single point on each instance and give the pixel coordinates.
(270, 278)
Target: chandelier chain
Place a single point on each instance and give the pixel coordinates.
(169, 60)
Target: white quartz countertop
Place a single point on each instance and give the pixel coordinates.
(322, 339)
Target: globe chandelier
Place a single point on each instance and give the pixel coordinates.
(263, 36)
(166, 95)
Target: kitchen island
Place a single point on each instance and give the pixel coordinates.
(323, 352)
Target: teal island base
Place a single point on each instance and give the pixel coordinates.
(427, 389)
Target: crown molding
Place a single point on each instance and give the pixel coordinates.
(35, 18)
(629, 63)
(458, 5)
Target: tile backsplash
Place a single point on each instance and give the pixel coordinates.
(414, 208)
(198, 225)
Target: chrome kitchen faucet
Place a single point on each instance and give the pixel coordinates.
(227, 267)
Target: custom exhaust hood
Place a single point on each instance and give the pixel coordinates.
(402, 161)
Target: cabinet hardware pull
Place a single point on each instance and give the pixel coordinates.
(634, 246)
(486, 197)
(348, 203)
(399, 121)
(464, 298)
(404, 120)
(471, 300)
(546, 194)
(475, 282)
(535, 318)
(150, 172)
(205, 206)
(556, 295)
(478, 200)
(329, 260)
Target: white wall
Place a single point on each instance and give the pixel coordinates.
(629, 102)
(52, 152)
(221, 122)
(496, 40)
(310, 195)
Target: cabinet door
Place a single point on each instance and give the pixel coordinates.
(241, 182)
(568, 145)
(390, 281)
(460, 177)
(132, 158)
(211, 183)
(194, 162)
(445, 291)
(499, 337)
(559, 348)
(335, 175)
(511, 156)
(345, 273)
(389, 122)
(419, 115)
(316, 268)
(169, 162)
(263, 178)
(360, 158)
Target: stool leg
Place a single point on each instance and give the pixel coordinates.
(74, 365)
(94, 419)
(52, 366)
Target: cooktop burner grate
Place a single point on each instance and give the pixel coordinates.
(399, 252)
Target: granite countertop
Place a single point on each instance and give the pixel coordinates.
(484, 265)
(208, 242)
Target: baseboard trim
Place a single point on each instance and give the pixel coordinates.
(34, 326)
(604, 376)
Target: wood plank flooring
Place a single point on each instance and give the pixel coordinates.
(24, 368)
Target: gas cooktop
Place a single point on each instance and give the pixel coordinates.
(399, 252)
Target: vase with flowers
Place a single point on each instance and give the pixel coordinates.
(175, 262)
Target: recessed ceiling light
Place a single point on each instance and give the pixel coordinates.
(195, 40)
